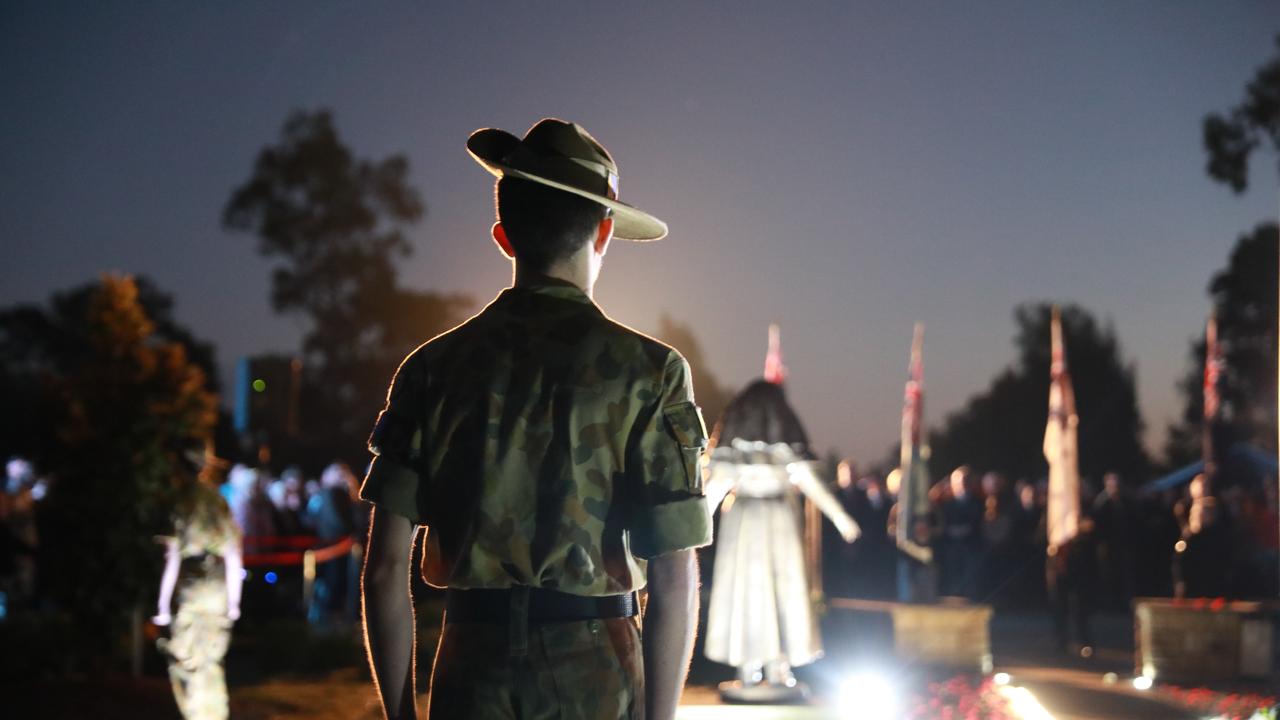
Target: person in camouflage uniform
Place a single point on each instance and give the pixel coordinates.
(553, 455)
(203, 568)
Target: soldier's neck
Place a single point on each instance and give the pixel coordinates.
(575, 273)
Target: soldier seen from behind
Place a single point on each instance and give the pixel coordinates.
(202, 577)
(553, 457)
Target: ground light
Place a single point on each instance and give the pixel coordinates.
(1142, 682)
(868, 695)
(1024, 704)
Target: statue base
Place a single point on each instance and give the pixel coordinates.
(764, 693)
(1199, 639)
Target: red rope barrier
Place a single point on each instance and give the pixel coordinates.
(294, 557)
(301, 542)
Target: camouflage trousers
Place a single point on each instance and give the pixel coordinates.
(199, 636)
(580, 670)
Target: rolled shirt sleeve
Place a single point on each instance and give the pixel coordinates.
(664, 467)
(394, 481)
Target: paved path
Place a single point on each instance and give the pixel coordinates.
(1082, 695)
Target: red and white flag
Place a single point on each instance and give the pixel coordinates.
(1060, 449)
(774, 371)
(1213, 365)
(913, 487)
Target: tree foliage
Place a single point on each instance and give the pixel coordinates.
(38, 343)
(335, 225)
(1230, 139)
(1244, 302)
(128, 400)
(1002, 429)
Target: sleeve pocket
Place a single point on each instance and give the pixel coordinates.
(684, 422)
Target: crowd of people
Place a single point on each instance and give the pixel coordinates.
(989, 544)
(281, 515)
(19, 535)
(275, 515)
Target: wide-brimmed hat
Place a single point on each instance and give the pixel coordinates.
(564, 156)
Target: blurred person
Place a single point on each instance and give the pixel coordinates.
(917, 580)
(1000, 557)
(916, 577)
(961, 541)
(239, 486)
(1071, 584)
(332, 513)
(873, 553)
(849, 488)
(841, 574)
(1114, 521)
(258, 513)
(310, 489)
(1257, 533)
(1157, 537)
(286, 497)
(294, 488)
(554, 457)
(1266, 538)
(23, 490)
(1203, 554)
(203, 567)
(1030, 542)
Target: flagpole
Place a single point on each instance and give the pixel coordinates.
(1277, 478)
(1212, 369)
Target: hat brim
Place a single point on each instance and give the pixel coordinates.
(490, 145)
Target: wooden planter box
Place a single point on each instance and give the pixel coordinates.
(951, 635)
(1198, 640)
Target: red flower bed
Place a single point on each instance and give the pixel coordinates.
(1231, 706)
(960, 698)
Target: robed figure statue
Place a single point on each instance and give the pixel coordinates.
(761, 617)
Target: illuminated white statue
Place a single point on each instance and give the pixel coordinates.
(761, 618)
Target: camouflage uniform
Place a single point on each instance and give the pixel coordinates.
(546, 446)
(200, 631)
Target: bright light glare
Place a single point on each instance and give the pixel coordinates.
(1142, 682)
(1000, 678)
(1025, 705)
(868, 696)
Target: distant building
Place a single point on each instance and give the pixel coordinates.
(266, 401)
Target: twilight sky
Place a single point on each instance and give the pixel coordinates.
(842, 168)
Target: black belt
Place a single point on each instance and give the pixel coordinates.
(544, 606)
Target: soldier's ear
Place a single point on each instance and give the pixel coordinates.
(603, 235)
(500, 238)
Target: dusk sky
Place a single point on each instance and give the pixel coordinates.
(844, 169)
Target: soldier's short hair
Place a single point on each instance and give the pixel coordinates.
(543, 224)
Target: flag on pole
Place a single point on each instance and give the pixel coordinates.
(913, 490)
(1212, 369)
(1060, 450)
(774, 371)
(1213, 366)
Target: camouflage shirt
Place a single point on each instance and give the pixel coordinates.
(545, 445)
(202, 522)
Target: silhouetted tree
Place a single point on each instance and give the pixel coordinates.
(711, 395)
(1244, 300)
(1002, 428)
(1231, 139)
(130, 400)
(39, 342)
(335, 224)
